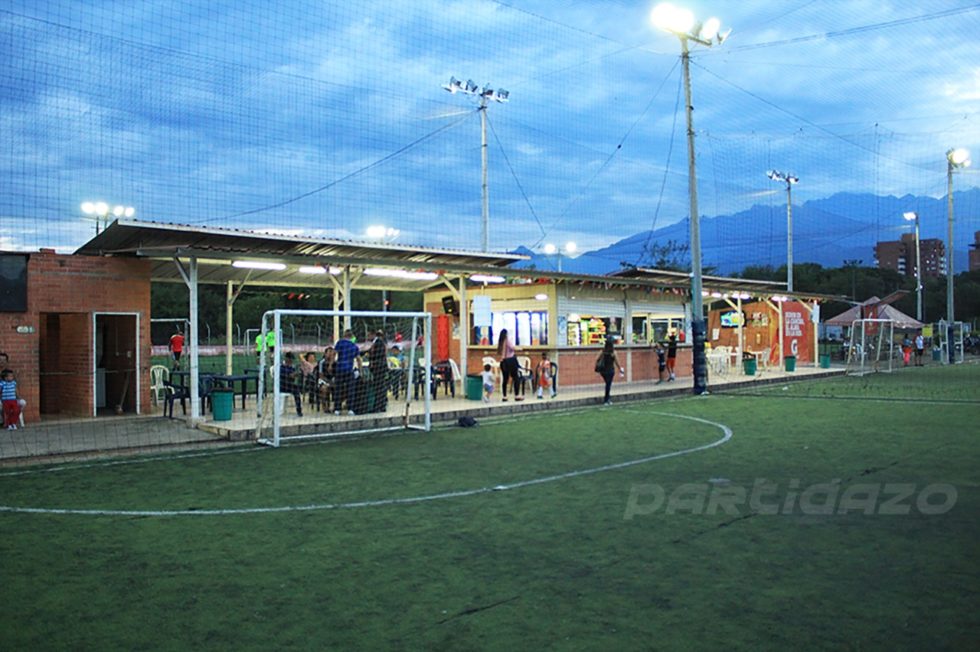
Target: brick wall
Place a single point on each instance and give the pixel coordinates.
(73, 287)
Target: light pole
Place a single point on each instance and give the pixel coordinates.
(486, 93)
(789, 179)
(551, 250)
(680, 22)
(955, 158)
(853, 264)
(101, 211)
(914, 217)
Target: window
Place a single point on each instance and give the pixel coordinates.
(525, 328)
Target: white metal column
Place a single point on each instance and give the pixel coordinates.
(464, 332)
(195, 353)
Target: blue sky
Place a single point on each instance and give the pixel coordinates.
(324, 117)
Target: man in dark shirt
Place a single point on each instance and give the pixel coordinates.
(348, 370)
(287, 381)
(671, 355)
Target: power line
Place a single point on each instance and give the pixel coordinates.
(856, 30)
(346, 177)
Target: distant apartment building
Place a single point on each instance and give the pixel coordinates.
(975, 253)
(899, 255)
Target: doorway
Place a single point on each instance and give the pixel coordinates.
(116, 363)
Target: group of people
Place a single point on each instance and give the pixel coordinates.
(920, 347)
(340, 378)
(513, 374)
(545, 371)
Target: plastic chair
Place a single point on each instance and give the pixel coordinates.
(457, 377)
(174, 393)
(158, 374)
(525, 373)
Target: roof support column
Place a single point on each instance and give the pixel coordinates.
(464, 332)
(190, 279)
(628, 334)
(347, 284)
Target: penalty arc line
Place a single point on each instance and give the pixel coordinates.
(388, 501)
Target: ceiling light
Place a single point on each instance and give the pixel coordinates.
(258, 264)
(485, 278)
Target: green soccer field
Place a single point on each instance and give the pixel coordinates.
(830, 514)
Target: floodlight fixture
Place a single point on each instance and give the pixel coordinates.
(959, 157)
(101, 212)
(910, 216)
(550, 249)
(681, 22)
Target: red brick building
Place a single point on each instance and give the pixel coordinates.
(76, 330)
(899, 255)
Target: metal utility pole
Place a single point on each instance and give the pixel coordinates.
(789, 179)
(487, 93)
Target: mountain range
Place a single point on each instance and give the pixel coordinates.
(828, 231)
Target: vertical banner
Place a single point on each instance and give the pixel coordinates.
(797, 331)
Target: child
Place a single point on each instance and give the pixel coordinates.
(487, 383)
(662, 364)
(543, 373)
(8, 393)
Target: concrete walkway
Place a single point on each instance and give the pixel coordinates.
(76, 439)
(242, 426)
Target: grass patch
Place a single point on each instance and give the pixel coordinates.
(553, 565)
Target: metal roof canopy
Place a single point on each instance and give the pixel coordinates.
(215, 249)
(721, 283)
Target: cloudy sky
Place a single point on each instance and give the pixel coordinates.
(327, 116)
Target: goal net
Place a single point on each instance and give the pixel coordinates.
(329, 373)
(872, 346)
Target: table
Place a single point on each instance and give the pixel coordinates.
(230, 380)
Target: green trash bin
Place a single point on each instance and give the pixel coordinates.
(790, 362)
(825, 361)
(222, 399)
(749, 365)
(937, 355)
(474, 387)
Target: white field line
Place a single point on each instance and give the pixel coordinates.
(727, 434)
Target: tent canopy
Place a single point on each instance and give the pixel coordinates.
(873, 308)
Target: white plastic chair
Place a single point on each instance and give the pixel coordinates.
(457, 377)
(158, 374)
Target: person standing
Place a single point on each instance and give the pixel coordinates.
(920, 345)
(378, 367)
(487, 377)
(543, 372)
(176, 346)
(671, 354)
(348, 371)
(509, 366)
(606, 365)
(8, 394)
(906, 350)
(661, 363)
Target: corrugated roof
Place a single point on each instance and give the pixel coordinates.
(215, 248)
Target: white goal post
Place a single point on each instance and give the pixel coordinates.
(404, 358)
(872, 346)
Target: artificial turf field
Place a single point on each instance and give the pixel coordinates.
(555, 564)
